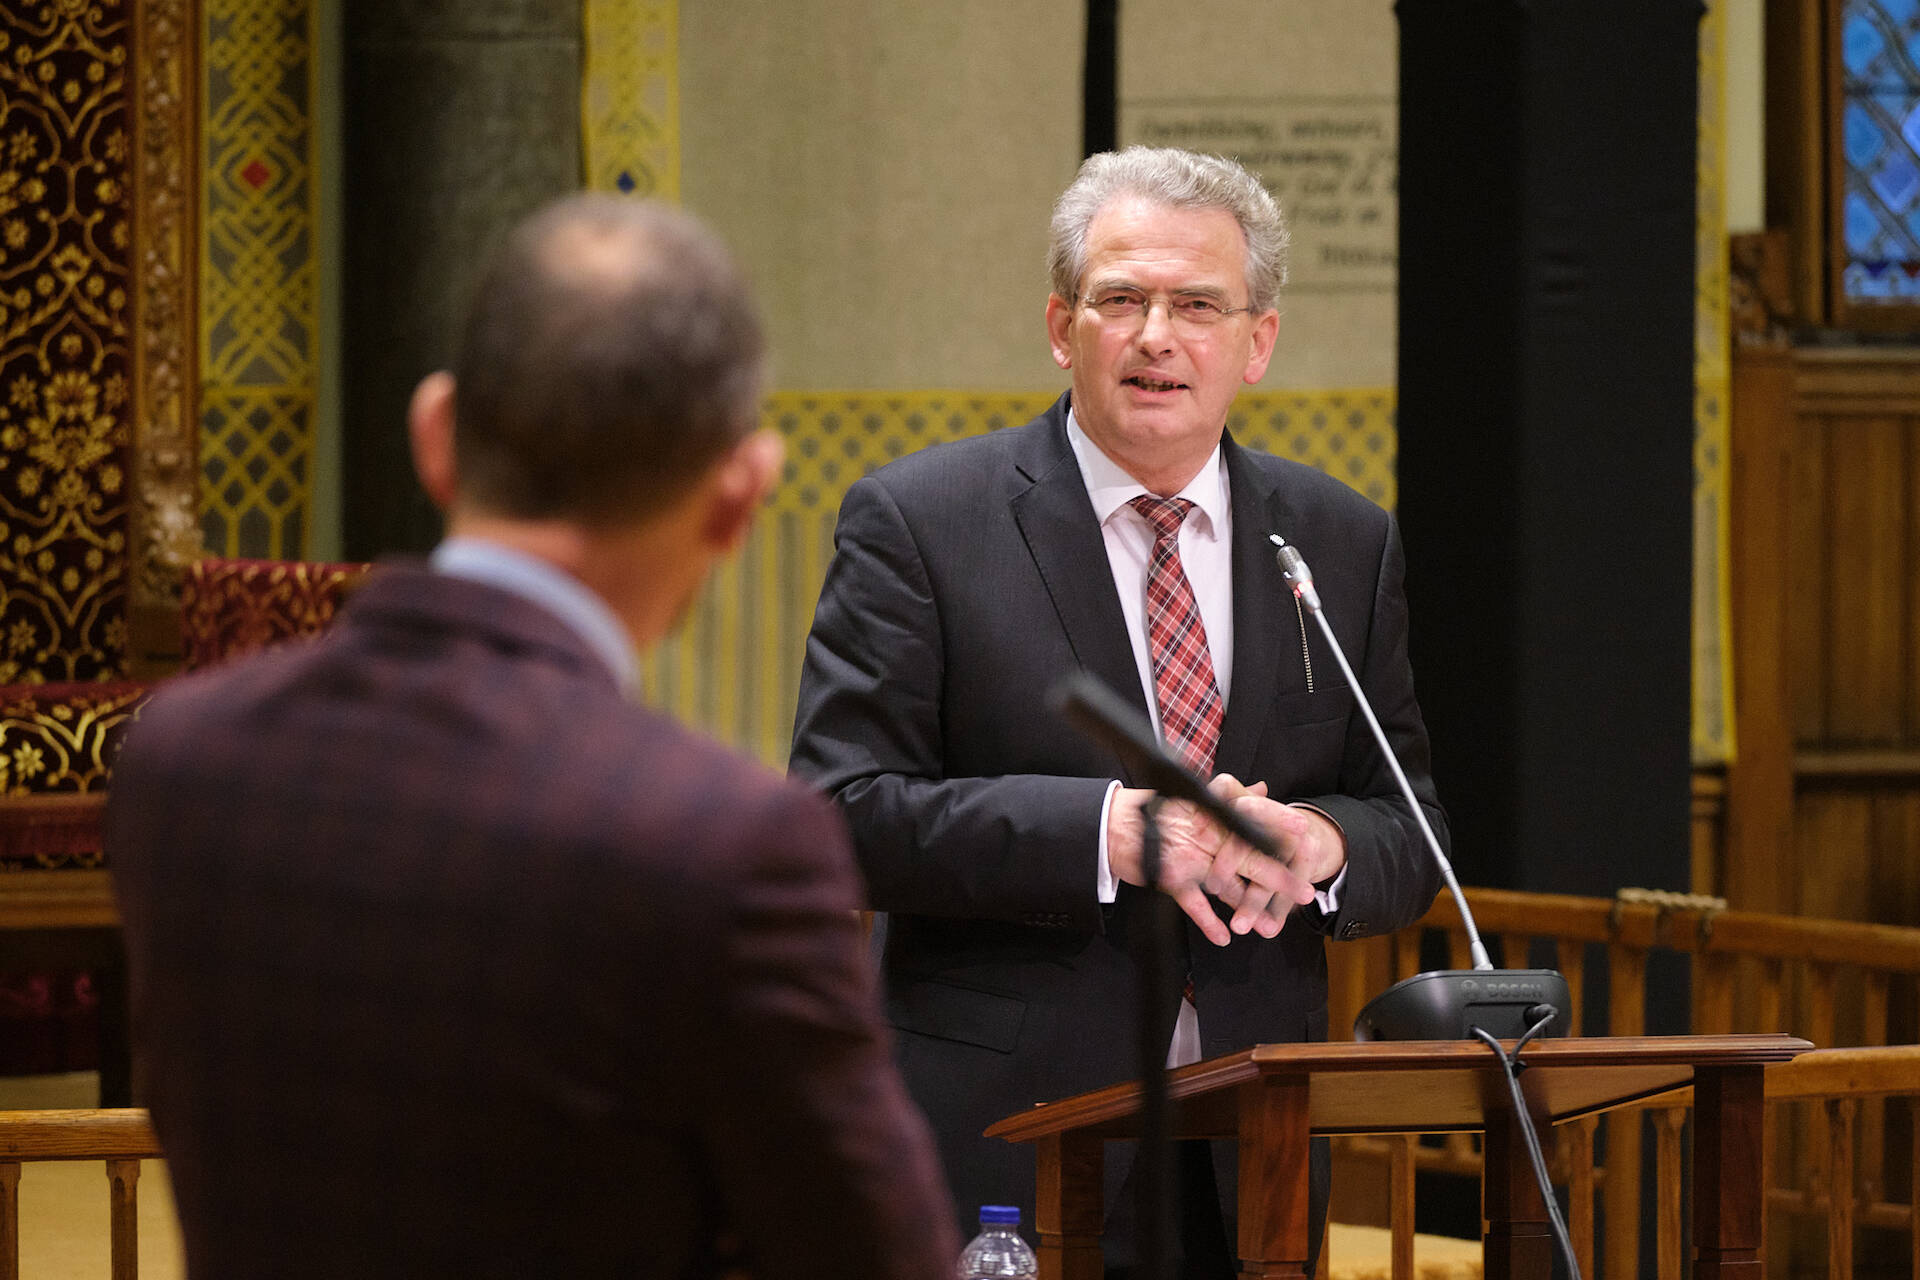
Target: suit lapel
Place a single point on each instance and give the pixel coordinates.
(1056, 519)
(1265, 625)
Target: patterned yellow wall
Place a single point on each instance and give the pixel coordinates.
(259, 300)
(734, 669)
(1713, 729)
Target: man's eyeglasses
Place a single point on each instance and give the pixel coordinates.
(1185, 310)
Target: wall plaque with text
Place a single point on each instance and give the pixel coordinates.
(1332, 162)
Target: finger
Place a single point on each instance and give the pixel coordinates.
(1255, 905)
(1199, 909)
(1226, 787)
(1258, 789)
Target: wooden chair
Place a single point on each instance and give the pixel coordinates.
(122, 1138)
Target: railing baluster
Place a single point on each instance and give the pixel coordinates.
(1873, 1111)
(123, 1217)
(1668, 1122)
(10, 1220)
(1840, 1114)
(1626, 1016)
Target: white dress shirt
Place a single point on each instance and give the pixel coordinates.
(1206, 555)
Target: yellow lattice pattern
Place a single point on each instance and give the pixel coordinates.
(1713, 730)
(254, 470)
(734, 669)
(259, 302)
(630, 105)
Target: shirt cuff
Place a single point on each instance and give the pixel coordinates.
(1326, 895)
(1105, 884)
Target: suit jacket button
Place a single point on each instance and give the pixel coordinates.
(1353, 929)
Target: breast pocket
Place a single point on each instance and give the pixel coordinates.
(1305, 740)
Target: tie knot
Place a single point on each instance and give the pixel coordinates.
(1166, 515)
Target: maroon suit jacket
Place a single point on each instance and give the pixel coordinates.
(449, 961)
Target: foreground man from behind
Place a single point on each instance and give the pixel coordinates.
(1122, 533)
(449, 959)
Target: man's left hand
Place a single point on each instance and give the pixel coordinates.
(1312, 846)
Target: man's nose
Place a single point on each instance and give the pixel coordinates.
(1156, 325)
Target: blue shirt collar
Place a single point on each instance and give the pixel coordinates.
(541, 583)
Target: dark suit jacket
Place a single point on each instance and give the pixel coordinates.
(968, 579)
(450, 961)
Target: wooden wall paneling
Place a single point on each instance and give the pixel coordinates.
(1894, 877)
(1831, 828)
(1912, 584)
(1809, 599)
(1796, 145)
(1865, 485)
(1758, 818)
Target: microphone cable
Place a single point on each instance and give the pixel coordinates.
(1511, 1068)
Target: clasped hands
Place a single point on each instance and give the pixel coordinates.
(1200, 862)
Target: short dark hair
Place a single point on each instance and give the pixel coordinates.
(611, 354)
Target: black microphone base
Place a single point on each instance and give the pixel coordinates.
(1446, 1004)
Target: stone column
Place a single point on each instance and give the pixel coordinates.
(459, 116)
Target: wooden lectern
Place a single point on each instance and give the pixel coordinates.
(1272, 1097)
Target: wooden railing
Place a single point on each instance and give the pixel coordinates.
(1831, 982)
(121, 1138)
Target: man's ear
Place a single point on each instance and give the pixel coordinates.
(1060, 330)
(430, 433)
(740, 480)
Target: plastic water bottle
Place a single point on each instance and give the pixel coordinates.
(998, 1252)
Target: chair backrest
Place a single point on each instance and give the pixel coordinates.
(229, 607)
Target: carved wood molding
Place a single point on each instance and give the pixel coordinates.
(165, 524)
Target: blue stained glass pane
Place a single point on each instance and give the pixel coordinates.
(1862, 227)
(1863, 136)
(1910, 127)
(1880, 146)
(1896, 183)
(1860, 44)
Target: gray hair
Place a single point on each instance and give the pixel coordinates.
(1180, 180)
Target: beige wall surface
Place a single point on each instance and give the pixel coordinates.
(1289, 66)
(886, 170)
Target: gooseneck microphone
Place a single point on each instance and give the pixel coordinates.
(1445, 1004)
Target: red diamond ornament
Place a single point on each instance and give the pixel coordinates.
(256, 174)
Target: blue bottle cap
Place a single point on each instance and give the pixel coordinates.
(1000, 1214)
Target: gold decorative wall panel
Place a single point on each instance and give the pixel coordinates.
(734, 668)
(1713, 729)
(259, 321)
(630, 109)
(66, 157)
(166, 126)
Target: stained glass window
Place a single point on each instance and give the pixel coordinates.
(1880, 141)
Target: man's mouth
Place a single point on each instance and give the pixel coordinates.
(1146, 383)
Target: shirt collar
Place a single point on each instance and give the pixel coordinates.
(554, 590)
(1110, 487)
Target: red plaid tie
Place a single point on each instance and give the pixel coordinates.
(1177, 640)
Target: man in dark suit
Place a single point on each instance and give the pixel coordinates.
(450, 959)
(969, 579)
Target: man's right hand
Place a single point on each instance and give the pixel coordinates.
(1193, 852)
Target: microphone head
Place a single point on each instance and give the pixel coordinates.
(1293, 567)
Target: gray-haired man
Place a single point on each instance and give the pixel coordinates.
(1121, 533)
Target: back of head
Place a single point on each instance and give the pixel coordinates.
(1180, 180)
(611, 354)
